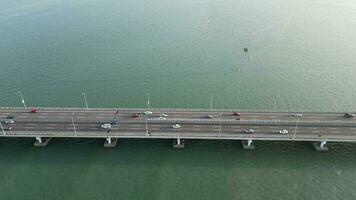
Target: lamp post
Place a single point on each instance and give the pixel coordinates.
(296, 127)
(2, 128)
(147, 133)
(75, 130)
(220, 126)
(85, 100)
(148, 101)
(211, 102)
(22, 99)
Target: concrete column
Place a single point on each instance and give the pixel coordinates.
(178, 143)
(248, 144)
(111, 142)
(320, 146)
(41, 142)
(108, 140)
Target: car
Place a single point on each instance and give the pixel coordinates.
(297, 114)
(176, 126)
(163, 115)
(283, 131)
(148, 112)
(135, 115)
(33, 110)
(236, 114)
(114, 122)
(162, 118)
(9, 121)
(249, 131)
(7, 128)
(237, 118)
(10, 117)
(210, 116)
(349, 115)
(105, 125)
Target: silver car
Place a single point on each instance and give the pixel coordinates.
(249, 131)
(9, 121)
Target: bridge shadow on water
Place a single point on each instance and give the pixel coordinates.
(155, 152)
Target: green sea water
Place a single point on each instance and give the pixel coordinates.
(301, 56)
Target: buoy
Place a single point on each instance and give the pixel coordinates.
(245, 50)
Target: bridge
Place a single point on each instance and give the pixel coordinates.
(48, 123)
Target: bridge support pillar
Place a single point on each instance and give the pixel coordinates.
(247, 144)
(41, 142)
(320, 146)
(178, 143)
(110, 142)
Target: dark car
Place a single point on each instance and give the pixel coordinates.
(236, 114)
(209, 116)
(7, 128)
(135, 115)
(349, 115)
(114, 122)
(10, 117)
(33, 110)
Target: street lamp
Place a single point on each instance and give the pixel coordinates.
(220, 126)
(22, 99)
(2, 128)
(148, 101)
(85, 100)
(211, 102)
(75, 130)
(296, 127)
(147, 133)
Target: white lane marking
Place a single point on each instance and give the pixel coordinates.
(196, 129)
(28, 127)
(333, 128)
(100, 117)
(32, 124)
(135, 125)
(42, 116)
(50, 127)
(314, 128)
(135, 128)
(335, 132)
(155, 125)
(315, 131)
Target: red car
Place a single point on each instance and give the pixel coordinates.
(135, 115)
(236, 114)
(33, 110)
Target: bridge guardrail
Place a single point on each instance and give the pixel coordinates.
(163, 109)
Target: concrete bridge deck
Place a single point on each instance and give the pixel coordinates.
(195, 124)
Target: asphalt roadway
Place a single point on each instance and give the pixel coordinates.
(194, 124)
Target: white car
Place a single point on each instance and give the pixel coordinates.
(297, 114)
(249, 131)
(163, 115)
(162, 118)
(283, 131)
(176, 126)
(148, 112)
(106, 126)
(9, 121)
